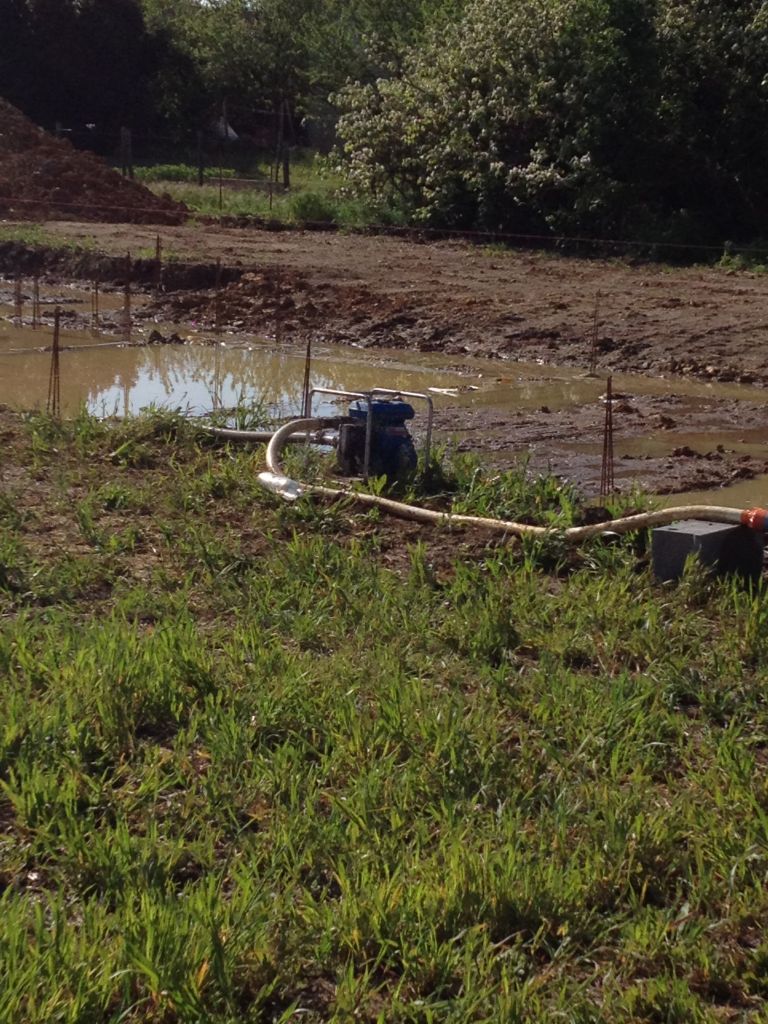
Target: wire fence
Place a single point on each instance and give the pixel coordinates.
(417, 232)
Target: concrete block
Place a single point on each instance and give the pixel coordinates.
(720, 547)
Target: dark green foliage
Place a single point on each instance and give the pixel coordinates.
(628, 118)
(91, 62)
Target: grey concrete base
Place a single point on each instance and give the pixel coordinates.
(722, 548)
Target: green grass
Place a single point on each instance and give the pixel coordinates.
(263, 762)
(316, 196)
(35, 234)
(180, 172)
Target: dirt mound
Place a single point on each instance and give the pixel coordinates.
(45, 177)
(272, 300)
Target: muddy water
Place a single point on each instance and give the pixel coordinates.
(113, 379)
(97, 370)
(206, 373)
(744, 494)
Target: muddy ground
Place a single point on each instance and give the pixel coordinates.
(702, 323)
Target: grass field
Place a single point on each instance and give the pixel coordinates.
(262, 762)
(317, 195)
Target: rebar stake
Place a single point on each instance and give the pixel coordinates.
(36, 313)
(95, 308)
(307, 368)
(217, 302)
(127, 302)
(18, 302)
(54, 379)
(278, 306)
(593, 346)
(158, 266)
(607, 484)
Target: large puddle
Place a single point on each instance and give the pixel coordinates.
(205, 373)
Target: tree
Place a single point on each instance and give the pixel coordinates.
(572, 115)
(89, 61)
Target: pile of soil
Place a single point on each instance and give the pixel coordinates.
(43, 177)
(275, 301)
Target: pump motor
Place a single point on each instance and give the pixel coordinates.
(392, 451)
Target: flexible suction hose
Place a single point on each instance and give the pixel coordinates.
(320, 436)
(276, 480)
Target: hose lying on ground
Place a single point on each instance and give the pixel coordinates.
(276, 480)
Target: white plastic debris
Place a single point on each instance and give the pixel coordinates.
(282, 485)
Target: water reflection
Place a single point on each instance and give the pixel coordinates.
(111, 379)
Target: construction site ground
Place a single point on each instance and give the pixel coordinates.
(702, 326)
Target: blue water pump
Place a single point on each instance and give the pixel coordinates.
(392, 453)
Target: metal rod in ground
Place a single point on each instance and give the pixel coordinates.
(593, 346)
(217, 301)
(127, 302)
(200, 160)
(36, 314)
(278, 306)
(221, 180)
(607, 484)
(95, 308)
(158, 266)
(307, 367)
(18, 301)
(54, 378)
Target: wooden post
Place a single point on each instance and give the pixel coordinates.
(200, 160)
(286, 116)
(279, 141)
(221, 180)
(222, 136)
(129, 151)
(124, 152)
(54, 379)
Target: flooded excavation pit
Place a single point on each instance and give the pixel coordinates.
(670, 434)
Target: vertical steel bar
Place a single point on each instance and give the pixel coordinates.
(607, 483)
(593, 347)
(95, 327)
(307, 368)
(54, 379)
(127, 302)
(18, 301)
(36, 317)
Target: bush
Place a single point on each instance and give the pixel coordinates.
(573, 116)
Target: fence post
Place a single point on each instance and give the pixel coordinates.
(126, 153)
(286, 119)
(200, 159)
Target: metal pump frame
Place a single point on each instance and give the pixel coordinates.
(368, 396)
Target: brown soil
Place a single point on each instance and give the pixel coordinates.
(461, 299)
(567, 442)
(45, 177)
(451, 297)
(46, 487)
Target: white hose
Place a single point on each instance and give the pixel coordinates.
(276, 480)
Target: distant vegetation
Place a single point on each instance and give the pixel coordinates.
(624, 118)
